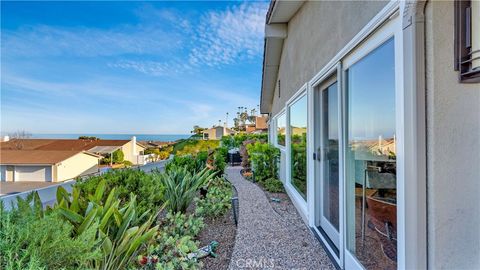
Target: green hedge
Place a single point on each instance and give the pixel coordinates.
(264, 158)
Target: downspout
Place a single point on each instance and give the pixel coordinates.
(414, 251)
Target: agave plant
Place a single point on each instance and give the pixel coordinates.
(181, 186)
(117, 225)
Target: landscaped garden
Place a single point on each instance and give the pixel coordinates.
(131, 219)
(128, 219)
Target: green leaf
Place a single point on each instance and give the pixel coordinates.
(99, 191)
(71, 216)
(87, 221)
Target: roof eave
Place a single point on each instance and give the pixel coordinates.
(278, 15)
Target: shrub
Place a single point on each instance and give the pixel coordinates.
(127, 163)
(174, 242)
(121, 226)
(273, 185)
(162, 155)
(181, 186)
(217, 201)
(32, 239)
(220, 160)
(147, 187)
(238, 139)
(118, 156)
(244, 153)
(263, 157)
(191, 163)
(193, 147)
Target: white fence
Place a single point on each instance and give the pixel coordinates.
(47, 195)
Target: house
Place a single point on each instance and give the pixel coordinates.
(46, 165)
(216, 133)
(53, 160)
(130, 148)
(380, 100)
(259, 125)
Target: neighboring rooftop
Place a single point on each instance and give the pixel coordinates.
(35, 156)
(58, 144)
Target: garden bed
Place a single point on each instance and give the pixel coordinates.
(223, 230)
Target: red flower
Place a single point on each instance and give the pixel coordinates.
(142, 260)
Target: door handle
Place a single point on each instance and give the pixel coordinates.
(319, 154)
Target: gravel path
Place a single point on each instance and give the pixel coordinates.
(265, 240)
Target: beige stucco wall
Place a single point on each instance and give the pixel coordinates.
(128, 154)
(315, 35)
(77, 165)
(453, 150)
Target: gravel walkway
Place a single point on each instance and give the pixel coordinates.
(265, 240)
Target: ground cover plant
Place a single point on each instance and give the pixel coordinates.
(273, 185)
(217, 200)
(174, 243)
(33, 239)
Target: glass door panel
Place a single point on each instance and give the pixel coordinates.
(328, 154)
(371, 159)
(298, 145)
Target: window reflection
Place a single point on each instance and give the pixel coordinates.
(298, 141)
(281, 131)
(371, 159)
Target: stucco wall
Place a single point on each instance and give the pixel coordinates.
(315, 35)
(79, 164)
(453, 150)
(127, 153)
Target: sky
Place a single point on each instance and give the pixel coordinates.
(128, 67)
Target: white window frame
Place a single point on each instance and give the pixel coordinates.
(297, 199)
(275, 130)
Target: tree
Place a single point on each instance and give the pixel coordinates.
(197, 130)
(18, 137)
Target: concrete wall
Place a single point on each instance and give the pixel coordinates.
(453, 150)
(47, 195)
(315, 35)
(78, 165)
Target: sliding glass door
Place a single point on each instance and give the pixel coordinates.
(371, 178)
(328, 166)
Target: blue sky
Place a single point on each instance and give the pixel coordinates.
(128, 67)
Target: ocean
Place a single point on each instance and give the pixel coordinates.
(140, 137)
